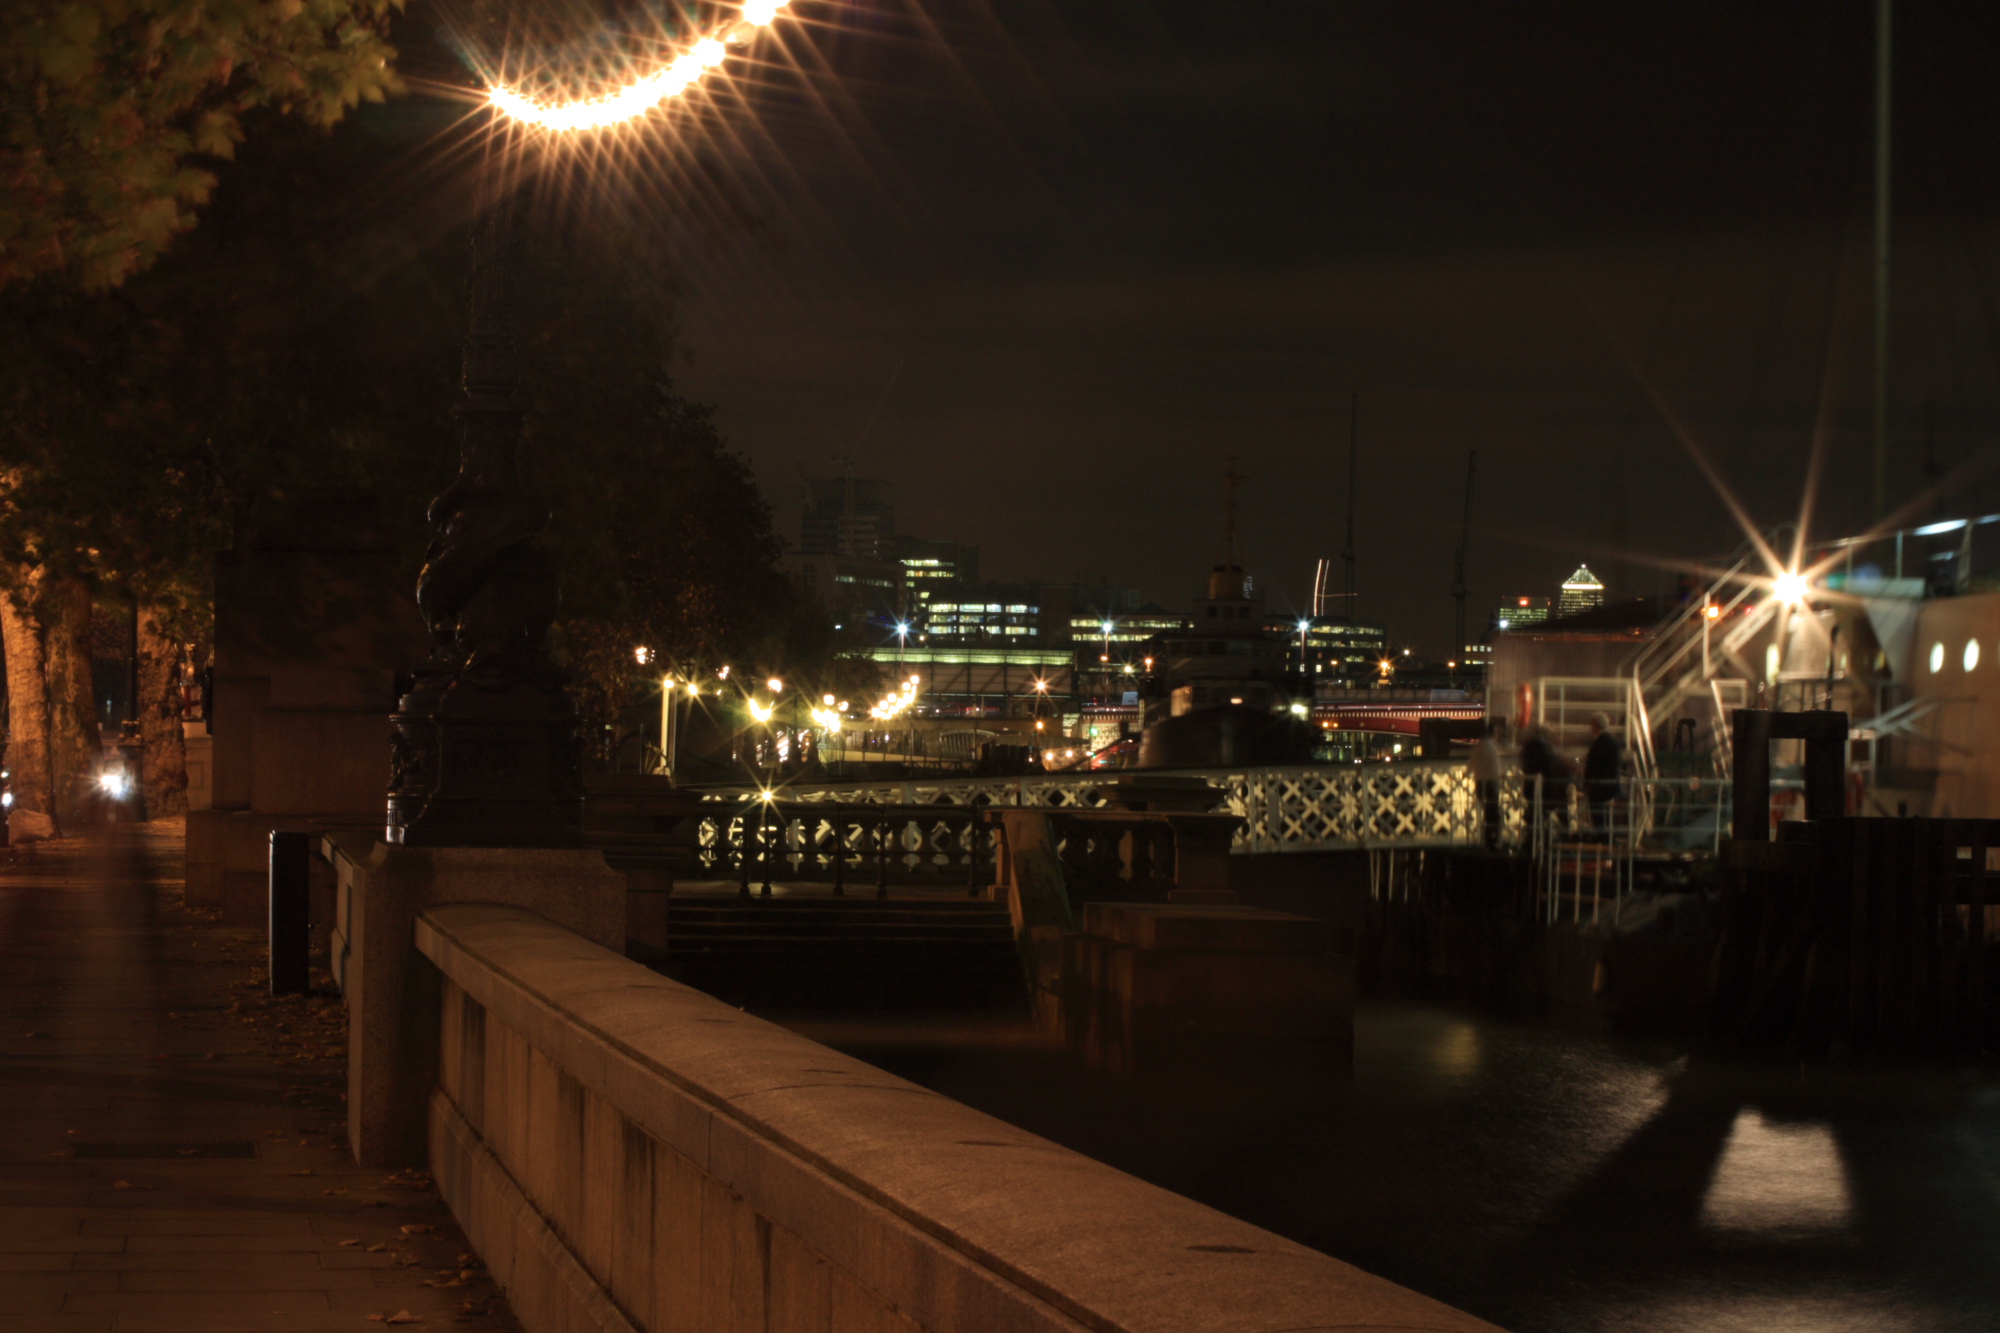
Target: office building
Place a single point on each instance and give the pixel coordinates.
(850, 516)
(994, 614)
(1581, 591)
(931, 567)
(1321, 647)
(853, 590)
(1520, 612)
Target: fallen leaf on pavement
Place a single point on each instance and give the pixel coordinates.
(400, 1317)
(378, 1247)
(417, 1228)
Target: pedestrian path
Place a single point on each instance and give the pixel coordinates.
(173, 1155)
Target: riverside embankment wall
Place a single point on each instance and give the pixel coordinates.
(627, 1153)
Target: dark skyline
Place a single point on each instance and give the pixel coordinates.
(1110, 243)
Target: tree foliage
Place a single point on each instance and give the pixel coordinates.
(111, 109)
(307, 334)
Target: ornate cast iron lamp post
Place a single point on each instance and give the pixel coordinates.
(486, 750)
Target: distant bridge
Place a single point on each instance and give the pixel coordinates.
(1306, 808)
(1303, 808)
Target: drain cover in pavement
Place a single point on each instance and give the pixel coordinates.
(156, 1151)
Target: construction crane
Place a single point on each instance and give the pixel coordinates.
(1458, 589)
(1347, 551)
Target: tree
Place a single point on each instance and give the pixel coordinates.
(102, 483)
(307, 334)
(108, 109)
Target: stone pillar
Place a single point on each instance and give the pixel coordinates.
(392, 992)
(312, 623)
(1197, 989)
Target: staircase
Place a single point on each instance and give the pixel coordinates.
(852, 954)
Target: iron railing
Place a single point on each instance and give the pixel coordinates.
(1305, 808)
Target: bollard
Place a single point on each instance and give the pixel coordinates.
(290, 924)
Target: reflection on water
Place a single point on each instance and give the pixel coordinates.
(1558, 1182)
(1723, 1312)
(1778, 1179)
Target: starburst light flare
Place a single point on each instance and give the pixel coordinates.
(643, 94)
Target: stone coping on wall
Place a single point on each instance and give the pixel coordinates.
(857, 1162)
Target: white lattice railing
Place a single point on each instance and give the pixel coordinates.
(1302, 809)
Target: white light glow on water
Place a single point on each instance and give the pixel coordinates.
(1775, 1177)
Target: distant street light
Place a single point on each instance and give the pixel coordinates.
(667, 738)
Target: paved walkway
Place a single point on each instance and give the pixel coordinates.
(172, 1156)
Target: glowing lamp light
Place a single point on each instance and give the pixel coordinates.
(761, 712)
(774, 685)
(1712, 611)
(1790, 588)
(642, 94)
(114, 783)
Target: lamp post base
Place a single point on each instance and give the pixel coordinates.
(475, 767)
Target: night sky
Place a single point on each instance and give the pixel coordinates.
(1098, 245)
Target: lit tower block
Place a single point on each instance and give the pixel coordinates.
(1581, 591)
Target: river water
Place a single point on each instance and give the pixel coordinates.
(1554, 1181)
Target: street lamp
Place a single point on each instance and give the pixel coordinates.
(485, 750)
(667, 727)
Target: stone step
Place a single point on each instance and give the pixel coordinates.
(843, 929)
(799, 953)
(859, 899)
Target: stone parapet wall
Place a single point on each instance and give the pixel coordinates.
(628, 1153)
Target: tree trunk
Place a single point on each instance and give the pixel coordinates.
(74, 747)
(31, 780)
(165, 756)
